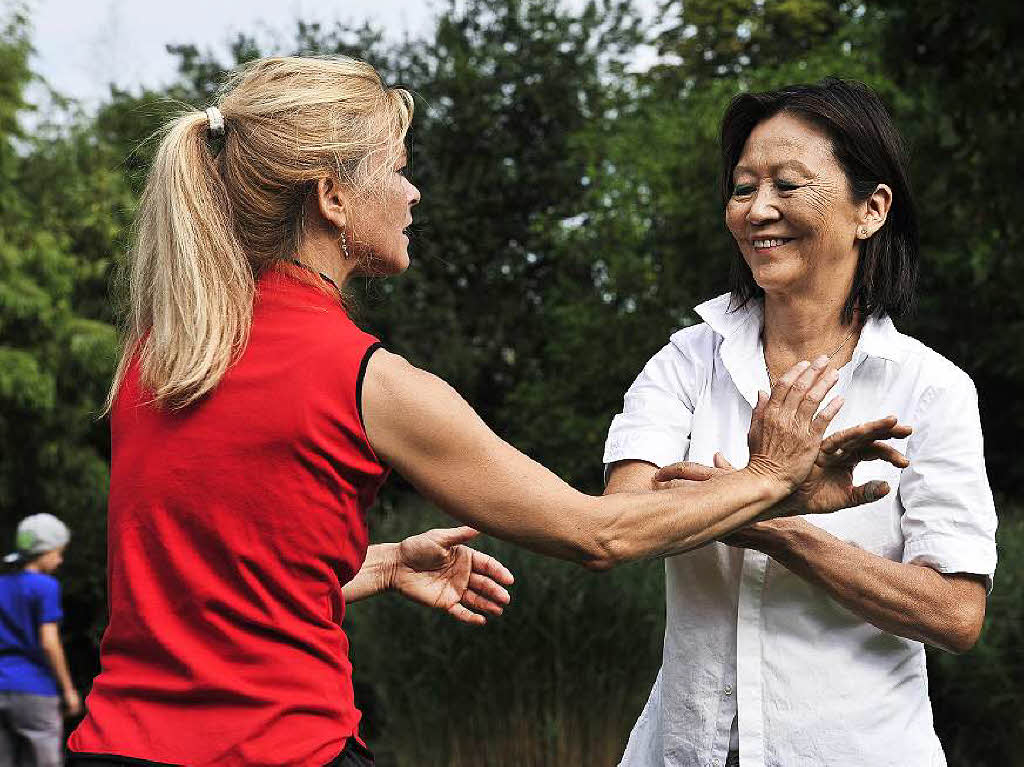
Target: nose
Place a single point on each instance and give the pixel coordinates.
(762, 207)
(412, 194)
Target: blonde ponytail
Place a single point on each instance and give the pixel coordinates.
(208, 225)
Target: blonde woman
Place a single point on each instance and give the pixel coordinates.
(252, 425)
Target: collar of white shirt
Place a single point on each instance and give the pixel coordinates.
(743, 356)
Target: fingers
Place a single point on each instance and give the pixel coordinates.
(803, 382)
(461, 613)
(883, 428)
(721, 462)
(824, 418)
(810, 389)
(688, 470)
(490, 589)
(876, 451)
(452, 536)
(486, 565)
(480, 604)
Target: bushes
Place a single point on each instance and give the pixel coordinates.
(976, 697)
(559, 679)
(562, 676)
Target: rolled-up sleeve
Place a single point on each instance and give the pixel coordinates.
(657, 411)
(949, 519)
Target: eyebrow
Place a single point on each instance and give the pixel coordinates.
(796, 165)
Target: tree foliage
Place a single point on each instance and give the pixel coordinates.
(570, 221)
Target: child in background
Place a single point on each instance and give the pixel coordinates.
(32, 662)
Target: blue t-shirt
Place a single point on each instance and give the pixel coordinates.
(27, 600)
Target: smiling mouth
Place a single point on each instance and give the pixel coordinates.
(762, 245)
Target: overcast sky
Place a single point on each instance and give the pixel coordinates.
(82, 45)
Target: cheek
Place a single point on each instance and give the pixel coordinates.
(735, 217)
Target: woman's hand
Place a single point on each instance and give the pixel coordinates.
(435, 569)
(829, 486)
(785, 434)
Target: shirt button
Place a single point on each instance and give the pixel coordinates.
(715, 763)
(728, 689)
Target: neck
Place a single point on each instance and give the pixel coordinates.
(803, 327)
(31, 567)
(322, 255)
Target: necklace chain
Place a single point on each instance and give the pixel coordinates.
(771, 379)
(309, 268)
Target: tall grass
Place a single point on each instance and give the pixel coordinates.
(561, 677)
(558, 680)
(978, 697)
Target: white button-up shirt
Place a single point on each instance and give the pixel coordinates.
(811, 682)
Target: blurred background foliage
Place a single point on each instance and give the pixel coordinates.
(570, 221)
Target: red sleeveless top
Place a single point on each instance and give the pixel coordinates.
(232, 527)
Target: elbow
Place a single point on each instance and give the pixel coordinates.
(964, 628)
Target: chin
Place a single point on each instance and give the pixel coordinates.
(388, 266)
(773, 278)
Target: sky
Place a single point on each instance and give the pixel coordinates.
(84, 45)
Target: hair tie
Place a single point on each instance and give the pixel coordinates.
(216, 121)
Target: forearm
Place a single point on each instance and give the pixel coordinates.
(376, 574)
(523, 502)
(908, 600)
(636, 525)
(58, 662)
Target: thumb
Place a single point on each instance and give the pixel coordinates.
(453, 536)
(721, 462)
(684, 470)
(869, 492)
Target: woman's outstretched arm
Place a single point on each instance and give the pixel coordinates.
(425, 430)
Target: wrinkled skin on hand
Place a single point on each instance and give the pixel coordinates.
(435, 569)
(829, 485)
(785, 434)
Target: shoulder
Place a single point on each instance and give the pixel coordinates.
(933, 375)
(394, 380)
(41, 583)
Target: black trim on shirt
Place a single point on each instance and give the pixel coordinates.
(362, 375)
(87, 760)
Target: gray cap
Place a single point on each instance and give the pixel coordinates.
(38, 534)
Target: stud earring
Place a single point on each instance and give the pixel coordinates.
(863, 232)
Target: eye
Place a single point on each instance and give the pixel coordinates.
(742, 190)
(786, 186)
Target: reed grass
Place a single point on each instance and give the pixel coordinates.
(558, 680)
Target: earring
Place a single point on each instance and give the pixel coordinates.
(344, 244)
(863, 232)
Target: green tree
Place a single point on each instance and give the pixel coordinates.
(59, 218)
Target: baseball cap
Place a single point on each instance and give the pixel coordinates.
(38, 534)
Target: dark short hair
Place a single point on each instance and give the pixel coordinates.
(870, 150)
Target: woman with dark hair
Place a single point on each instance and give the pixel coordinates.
(798, 641)
(252, 424)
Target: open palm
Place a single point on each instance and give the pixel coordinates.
(435, 569)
